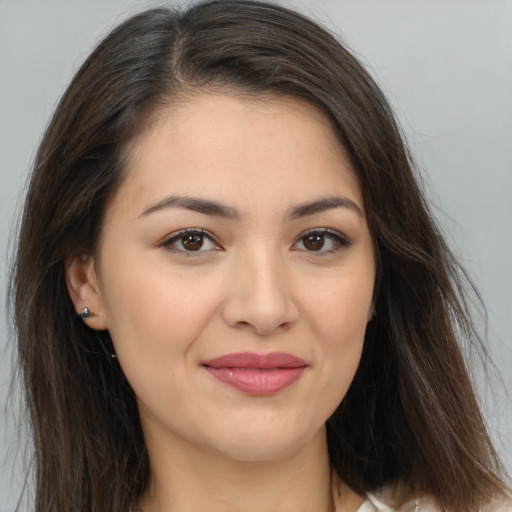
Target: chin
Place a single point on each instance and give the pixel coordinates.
(262, 445)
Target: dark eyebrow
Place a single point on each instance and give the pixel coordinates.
(208, 207)
(323, 204)
(204, 206)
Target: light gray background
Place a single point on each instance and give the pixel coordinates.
(446, 66)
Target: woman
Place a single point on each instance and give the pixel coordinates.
(229, 293)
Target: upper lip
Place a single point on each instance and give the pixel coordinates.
(255, 360)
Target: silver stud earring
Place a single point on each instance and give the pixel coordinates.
(85, 313)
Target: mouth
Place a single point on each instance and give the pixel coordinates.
(257, 374)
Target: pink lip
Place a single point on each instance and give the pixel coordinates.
(257, 374)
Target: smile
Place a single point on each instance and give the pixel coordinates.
(257, 374)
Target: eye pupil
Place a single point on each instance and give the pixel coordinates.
(192, 242)
(314, 242)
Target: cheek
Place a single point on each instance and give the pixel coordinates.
(340, 310)
(155, 315)
(154, 322)
(339, 319)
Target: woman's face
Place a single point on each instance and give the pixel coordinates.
(235, 275)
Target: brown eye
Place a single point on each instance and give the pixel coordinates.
(322, 242)
(314, 242)
(192, 242)
(189, 241)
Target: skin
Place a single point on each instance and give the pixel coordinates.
(255, 285)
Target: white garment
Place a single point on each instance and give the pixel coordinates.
(375, 504)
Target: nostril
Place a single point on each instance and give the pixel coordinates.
(263, 304)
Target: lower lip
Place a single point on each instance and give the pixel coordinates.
(257, 381)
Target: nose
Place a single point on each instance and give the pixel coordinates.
(260, 297)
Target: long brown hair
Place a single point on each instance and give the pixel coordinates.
(410, 416)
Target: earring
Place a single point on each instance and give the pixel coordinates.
(85, 313)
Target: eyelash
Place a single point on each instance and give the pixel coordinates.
(340, 242)
(175, 237)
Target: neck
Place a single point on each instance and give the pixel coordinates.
(186, 479)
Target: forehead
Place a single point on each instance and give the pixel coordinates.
(241, 150)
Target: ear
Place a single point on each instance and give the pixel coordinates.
(83, 289)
